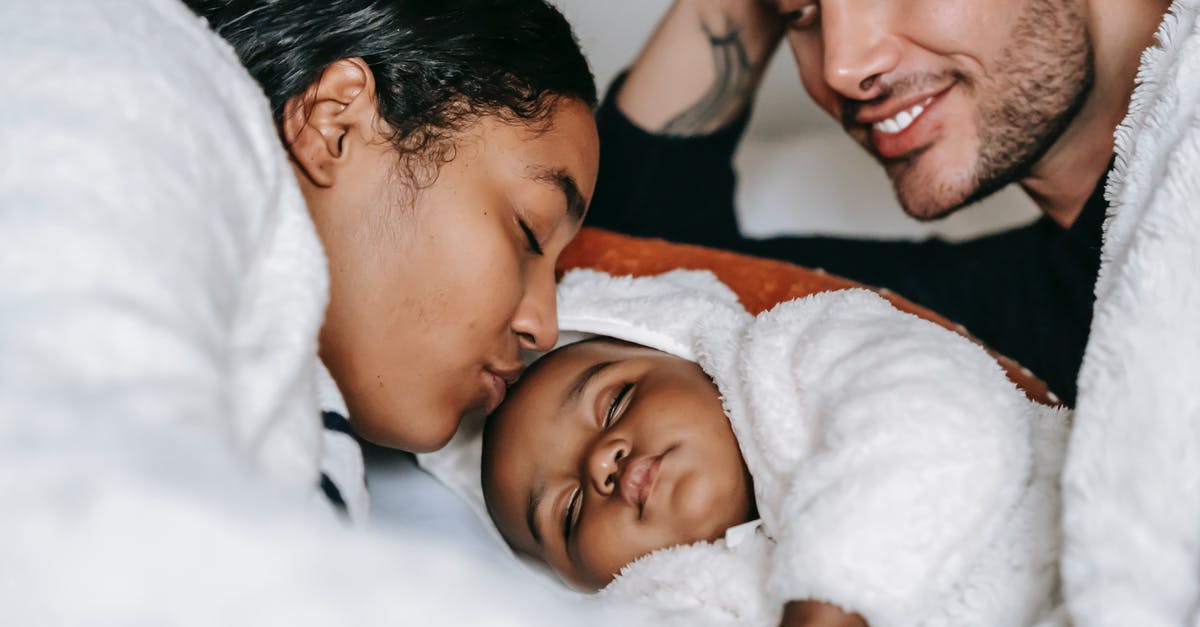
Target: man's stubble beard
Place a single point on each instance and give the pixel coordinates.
(1043, 77)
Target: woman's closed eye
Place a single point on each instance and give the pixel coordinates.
(530, 238)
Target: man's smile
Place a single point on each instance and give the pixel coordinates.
(903, 127)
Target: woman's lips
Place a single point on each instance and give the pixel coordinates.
(496, 390)
(638, 479)
(495, 385)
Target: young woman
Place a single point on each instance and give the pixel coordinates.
(387, 182)
(191, 211)
(447, 152)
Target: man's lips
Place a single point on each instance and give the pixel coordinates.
(638, 479)
(903, 129)
(867, 114)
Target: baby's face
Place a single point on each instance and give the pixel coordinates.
(607, 451)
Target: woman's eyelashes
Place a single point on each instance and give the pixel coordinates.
(531, 239)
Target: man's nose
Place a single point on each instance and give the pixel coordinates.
(859, 47)
(604, 463)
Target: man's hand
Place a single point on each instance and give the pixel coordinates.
(702, 65)
(817, 614)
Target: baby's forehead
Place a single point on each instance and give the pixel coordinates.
(549, 376)
(555, 367)
(530, 397)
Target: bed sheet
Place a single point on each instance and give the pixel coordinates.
(405, 498)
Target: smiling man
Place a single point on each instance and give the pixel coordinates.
(954, 98)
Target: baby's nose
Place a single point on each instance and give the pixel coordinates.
(604, 464)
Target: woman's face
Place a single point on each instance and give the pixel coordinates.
(435, 290)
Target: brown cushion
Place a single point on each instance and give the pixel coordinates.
(759, 283)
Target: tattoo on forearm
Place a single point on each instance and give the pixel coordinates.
(733, 87)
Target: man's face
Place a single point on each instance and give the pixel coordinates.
(956, 98)
(608, 451)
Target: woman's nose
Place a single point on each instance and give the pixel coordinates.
(536, 319)
(604, 463)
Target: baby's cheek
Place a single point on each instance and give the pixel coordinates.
(695, 510)
(610, 547)
(717, 503)
(601, 555)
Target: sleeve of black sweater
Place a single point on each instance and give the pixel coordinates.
(676, 188)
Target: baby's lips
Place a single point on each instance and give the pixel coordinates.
(638, 478)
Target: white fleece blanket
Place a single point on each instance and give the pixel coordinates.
(1131, 486)
(898, 473)
(161, 289)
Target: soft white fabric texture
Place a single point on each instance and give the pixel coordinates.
(158, 265)
(161, 290)
(897, 471)
(1131, 485)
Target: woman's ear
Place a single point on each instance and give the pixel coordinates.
(321, 125)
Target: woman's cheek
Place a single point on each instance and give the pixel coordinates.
(489, 265)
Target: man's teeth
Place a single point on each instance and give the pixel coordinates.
(902, 120)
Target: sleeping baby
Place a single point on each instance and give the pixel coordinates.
(718, 465)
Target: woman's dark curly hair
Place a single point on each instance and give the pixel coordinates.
(438, 64)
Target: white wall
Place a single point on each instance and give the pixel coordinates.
(799, 172)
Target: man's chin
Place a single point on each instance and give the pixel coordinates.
(926, 198)
(929, 212)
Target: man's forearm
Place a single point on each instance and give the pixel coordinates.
(701, 67)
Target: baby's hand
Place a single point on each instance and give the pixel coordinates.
(818, 614)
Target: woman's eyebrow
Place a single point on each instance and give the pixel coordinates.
(564, 182)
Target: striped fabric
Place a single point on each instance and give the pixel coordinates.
(343, 480)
